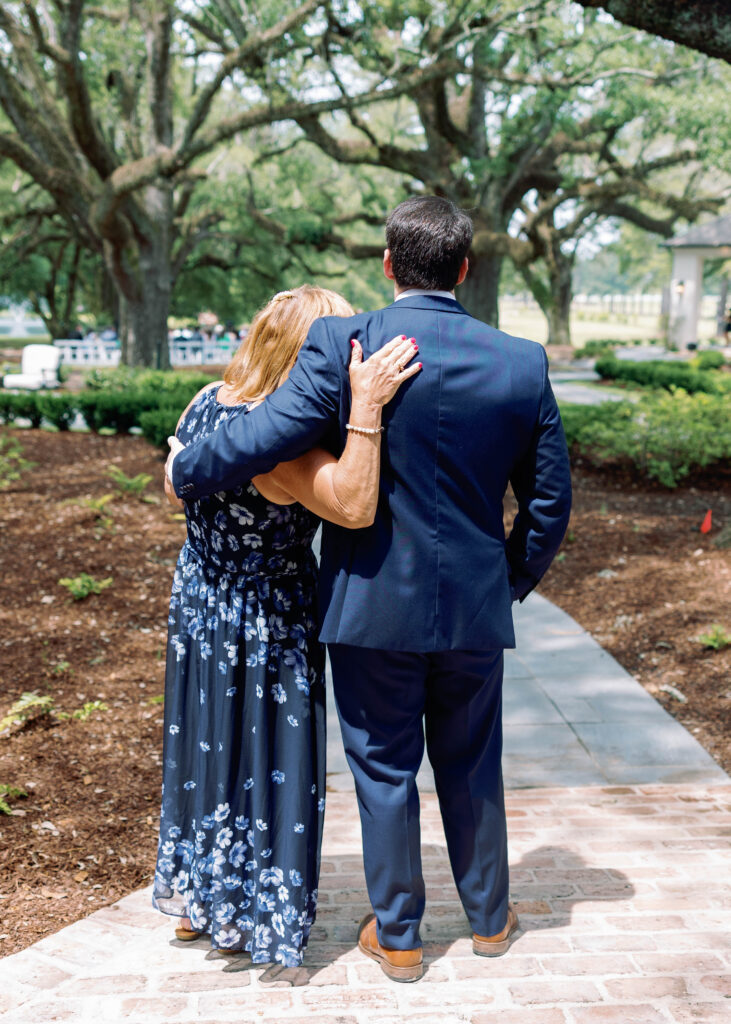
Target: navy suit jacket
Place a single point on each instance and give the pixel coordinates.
(434, 571)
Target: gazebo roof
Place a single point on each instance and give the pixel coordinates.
(714, 235)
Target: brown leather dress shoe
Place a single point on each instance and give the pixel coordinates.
(396, 964)
(496, 945)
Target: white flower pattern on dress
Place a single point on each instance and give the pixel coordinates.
(242, 643)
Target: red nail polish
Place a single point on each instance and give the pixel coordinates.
(420, 365)
(416, 348)
(352, 343)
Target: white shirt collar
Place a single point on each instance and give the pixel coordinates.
(411, 292)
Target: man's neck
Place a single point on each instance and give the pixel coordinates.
(399, 293)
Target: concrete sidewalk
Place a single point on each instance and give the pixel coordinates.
(619, 871)
(572, 716)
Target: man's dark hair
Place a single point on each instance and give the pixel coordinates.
(428, 237)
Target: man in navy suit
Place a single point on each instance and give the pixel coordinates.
(416, 609)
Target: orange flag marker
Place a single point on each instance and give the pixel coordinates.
(707, 522)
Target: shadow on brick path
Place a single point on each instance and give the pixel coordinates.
(623, 896)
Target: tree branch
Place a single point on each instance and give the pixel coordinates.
(703, 25)
(248, 51)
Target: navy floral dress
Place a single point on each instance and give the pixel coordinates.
(244, 748)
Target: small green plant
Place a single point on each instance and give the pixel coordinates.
(6, 793)
(98, 507)
(12, 463)
(128, 484)
(716, 638)
(28, 707)
(84, 713)
(157, 699)
(83, 585)
(62, 666)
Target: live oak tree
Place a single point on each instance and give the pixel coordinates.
(99, 118)
(120, 113)
(116, 112)
(542, 122)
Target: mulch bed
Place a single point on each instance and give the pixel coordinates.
(636, 571)
(86, 833)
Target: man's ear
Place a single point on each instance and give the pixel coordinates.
(387, 268)
(463, 271)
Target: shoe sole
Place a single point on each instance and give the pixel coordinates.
(495, 948)
(394, 973)
(402, 974)
(185, 935)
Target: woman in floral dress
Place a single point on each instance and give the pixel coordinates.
(244, 745)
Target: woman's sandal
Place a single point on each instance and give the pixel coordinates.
(186, 934)
(189, 935)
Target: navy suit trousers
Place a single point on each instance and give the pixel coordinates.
(387, 701)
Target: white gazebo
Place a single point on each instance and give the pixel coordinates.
(686, 287)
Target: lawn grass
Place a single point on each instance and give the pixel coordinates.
(529, 322)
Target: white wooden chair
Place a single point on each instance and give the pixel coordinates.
(39, 366)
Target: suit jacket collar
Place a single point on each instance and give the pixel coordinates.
(436, 302)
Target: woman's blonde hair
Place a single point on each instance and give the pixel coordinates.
(268, 352)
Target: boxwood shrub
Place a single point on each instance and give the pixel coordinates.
(663, 373)
(664, 436)
(113, 400)
(58, 410)
(22, 406)
(158, 424)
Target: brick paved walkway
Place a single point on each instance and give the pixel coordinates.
(624, 898)
(623, 891)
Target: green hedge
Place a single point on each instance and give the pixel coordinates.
(115, 400)
(664, 436)
(124, 378)
(158, 424)
(58, 410)
(21, 406)
(605, 346)
(665, 374)
(708, 360)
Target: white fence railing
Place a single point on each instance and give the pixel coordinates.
(88, 353)
(84, 353)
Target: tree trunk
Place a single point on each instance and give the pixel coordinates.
(558, 307)
(552, 291)
(480, 289)
(145, 294)
(144, 316)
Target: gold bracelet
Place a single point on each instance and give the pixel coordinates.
(370, 431)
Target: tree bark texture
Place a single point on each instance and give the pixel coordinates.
(146, 288)
(479, 291)
(558, 308)
(703, 25)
